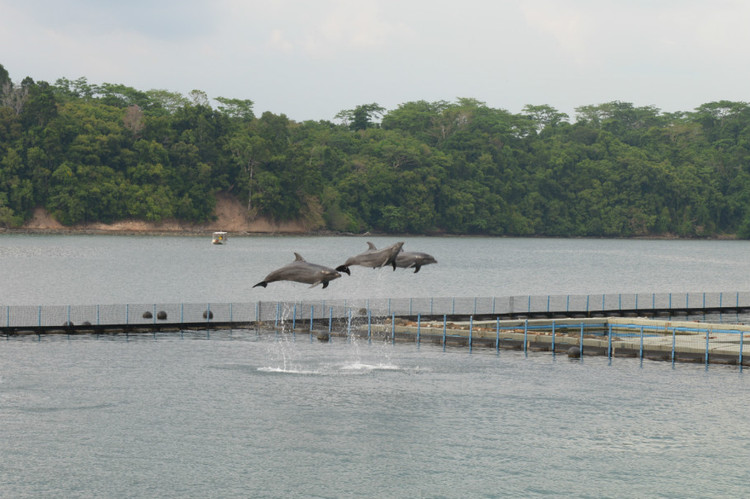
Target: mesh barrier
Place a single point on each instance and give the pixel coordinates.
(681, 342)
(192, 313)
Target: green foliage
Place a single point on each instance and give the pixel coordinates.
(107, 152)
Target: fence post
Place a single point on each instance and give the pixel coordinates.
(445, 319)
(312, 312)
(525, 335)
(641, 352)
(294, 317)
(742, 338)
(674, 340)
(581, 343)
(553, 337)
(393, 329)
(278, 309)
(369, 326)
(707, 332)
(419, 329)
(497, 336)
(609, 343)
(330, 322)
(471, 331)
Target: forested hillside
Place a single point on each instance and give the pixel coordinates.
(109, 152)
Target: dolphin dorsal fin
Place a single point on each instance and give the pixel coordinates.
(370, 245)
(298, 257)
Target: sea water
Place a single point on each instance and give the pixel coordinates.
(243, 414)
(273, 414)
(91, 270)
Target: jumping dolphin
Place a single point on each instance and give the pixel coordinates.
(301, 271)
(373, 257)
(409, 259)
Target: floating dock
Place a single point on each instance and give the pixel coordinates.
(696, 327)
(676, 341)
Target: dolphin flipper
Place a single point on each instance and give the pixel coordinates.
(261, 283)
(417, 267)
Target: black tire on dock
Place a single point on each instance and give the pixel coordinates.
(574, 352)
(161, 315)
(208, 314)
(147, 315)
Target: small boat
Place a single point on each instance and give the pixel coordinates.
(219, 238)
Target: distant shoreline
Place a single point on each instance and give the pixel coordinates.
(205, 232)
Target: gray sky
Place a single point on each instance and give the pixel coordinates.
(310, 59)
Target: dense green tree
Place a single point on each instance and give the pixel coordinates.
(106, 152)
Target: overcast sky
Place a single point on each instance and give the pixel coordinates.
(310, 59)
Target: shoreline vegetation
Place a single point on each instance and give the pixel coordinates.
(108, 158)
(231, 218)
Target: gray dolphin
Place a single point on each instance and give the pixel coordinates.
(301, 271)
(409, 259)
(373, 257)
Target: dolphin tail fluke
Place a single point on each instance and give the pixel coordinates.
(343, 268)
(261, 283)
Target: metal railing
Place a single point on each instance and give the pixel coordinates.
(45, 316)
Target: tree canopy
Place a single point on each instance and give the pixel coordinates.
(108, 152)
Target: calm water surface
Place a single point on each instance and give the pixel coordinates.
(238, 414)
(86, 270)
(242, 415)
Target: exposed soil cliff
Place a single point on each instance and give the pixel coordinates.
(231, 216)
